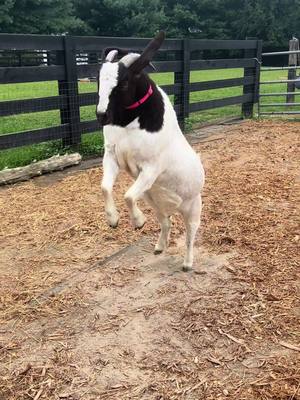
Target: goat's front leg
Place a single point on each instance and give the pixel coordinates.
(143, 183)
(110, 173)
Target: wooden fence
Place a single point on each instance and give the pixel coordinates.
(176, 56)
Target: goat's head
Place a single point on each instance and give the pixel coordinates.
(122, 82)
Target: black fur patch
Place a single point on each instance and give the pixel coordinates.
(130, 89)
(151, 114)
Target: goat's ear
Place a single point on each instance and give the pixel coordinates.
(148, 53)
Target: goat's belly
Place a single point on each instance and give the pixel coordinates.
(165, 200)
(183, 172)
(186, 183)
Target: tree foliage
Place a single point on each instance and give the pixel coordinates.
(38, 16)
(121, 17)
(274, 21)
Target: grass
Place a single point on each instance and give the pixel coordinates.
(92, 144)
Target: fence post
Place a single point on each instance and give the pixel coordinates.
(183, 79)
(247, 108)
(62, 88)
(69, 88)
(257, 70)
(293, 45)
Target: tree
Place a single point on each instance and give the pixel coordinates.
(274, 21)
(38, 16)
(121, 17)
(5, 14)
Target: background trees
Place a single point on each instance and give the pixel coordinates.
(38, 16)
(121, 17)
(274, 21)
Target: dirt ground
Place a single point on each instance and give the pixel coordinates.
(87, 312)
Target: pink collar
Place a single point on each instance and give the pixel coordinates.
(142, 100)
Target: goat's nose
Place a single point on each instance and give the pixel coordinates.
(102, 118)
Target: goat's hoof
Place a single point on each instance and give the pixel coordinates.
(187, 268)
(157, 251)
(113, 220)
(138, 227)
(139, 222)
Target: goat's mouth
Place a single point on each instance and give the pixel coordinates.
(103, 119)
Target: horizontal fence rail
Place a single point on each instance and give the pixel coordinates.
(279, 104)
(281, 53)
(222, 83)
(196, 44)
(34, 136)
(279, 94)
(206, 105)
(279, 68)
(278, 81)
(31, 74)
(30, 42)
(280, 113)
(13, 107)
(68, 59)
(222, 64)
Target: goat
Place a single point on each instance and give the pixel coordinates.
(143, 137)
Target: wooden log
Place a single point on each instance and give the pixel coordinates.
(55, 163)
(293, 46)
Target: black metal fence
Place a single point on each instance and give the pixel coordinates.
(69, 58)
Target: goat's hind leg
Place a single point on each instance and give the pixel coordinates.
(163, 240)
(165, 225)
(191, 211)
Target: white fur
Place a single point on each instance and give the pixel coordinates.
(108, 80)
(111, 55)
(129, 59)
(169, 175)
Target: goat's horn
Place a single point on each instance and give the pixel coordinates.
(148, 53)
(153, 46)
(112, 55)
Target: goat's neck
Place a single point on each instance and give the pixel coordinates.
(149, 114)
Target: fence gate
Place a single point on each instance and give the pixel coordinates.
(291, 95)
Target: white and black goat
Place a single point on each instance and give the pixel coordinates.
(142, 136)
